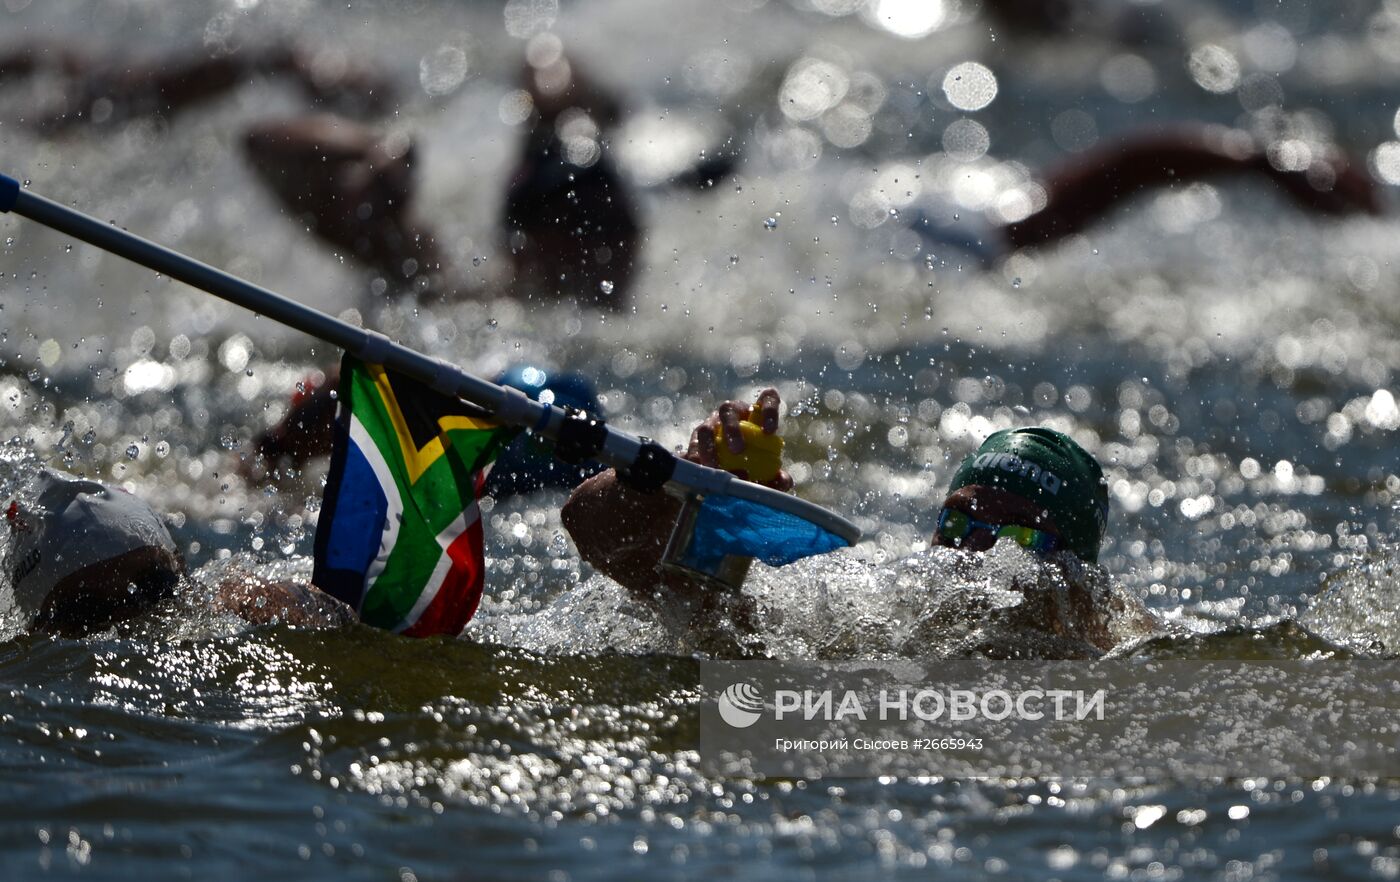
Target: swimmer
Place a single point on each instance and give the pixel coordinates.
(351, 186)
(83, 556)
(1033, 487)
(568, 221)
(527, 464)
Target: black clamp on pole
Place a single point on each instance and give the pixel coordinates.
(9, 192)
(651, 469)
(581, 437)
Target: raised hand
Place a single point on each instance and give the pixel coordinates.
(725, 422)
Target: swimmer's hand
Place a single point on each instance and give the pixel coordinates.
(725, 422)
(624, 531)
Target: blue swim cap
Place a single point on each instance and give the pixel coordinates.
(528, 463)
(561, 388)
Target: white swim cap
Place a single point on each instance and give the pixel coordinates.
(74, 524)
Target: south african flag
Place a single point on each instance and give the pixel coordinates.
(399, 536)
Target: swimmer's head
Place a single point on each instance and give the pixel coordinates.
(83, 555)
(559, 388)
(529, 463)
(1039, 483)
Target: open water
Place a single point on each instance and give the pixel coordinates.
(1232, 362)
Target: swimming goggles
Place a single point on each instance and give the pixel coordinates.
(956, 526)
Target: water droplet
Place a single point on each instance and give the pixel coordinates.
(163, 449)
(89, 436)
(835, 220)
(770, 223)
(733, 260)
(1016, 282)
(133, 451)
(894, 213)
(605, 286)
(67, 249)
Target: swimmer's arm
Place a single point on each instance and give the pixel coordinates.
(262, 602)
(623, 532)
(1082, 191)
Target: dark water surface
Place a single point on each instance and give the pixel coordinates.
(1231, 361)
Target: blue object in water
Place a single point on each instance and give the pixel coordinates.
(529, 464)
(728, 525)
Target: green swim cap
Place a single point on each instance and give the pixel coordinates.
(1052, 471)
